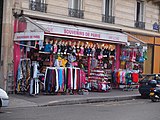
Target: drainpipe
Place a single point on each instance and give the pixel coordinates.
(152, 69)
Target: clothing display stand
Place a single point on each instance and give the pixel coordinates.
(23, 75)
(34, 82)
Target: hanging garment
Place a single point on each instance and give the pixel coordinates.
(28, 71)
(75, 79)
(32, 86)
(93, 51)
(123, 77)
(53, 74)
(145, 55)
(128, 78)
(123, 55)
(135, 77)
(118, 77)
(36, 86)
(65, 79)
(82, 78)
(72, 78)
(78, 79)
(60, 78)
(69, 77)
(57, 83)
(94, 63)
(49, 79)
(35, 69)
(56, 63)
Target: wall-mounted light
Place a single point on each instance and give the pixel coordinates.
(17, 12)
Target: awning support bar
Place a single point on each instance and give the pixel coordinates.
(134, 37)
(25, 45)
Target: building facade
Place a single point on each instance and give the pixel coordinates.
(138, 19)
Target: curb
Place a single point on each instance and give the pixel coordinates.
(90, 100)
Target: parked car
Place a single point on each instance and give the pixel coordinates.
(4, 99)
(144, 84)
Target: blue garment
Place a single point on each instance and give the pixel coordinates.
(47, 48)
(60, 77)
(19, 74)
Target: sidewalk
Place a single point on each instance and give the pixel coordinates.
(17, 100)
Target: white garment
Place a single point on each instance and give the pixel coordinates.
(35, 69)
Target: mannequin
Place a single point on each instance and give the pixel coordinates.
(101, 52)
(93, 50)
(59, 47)
(69, 48)
(85, 49)
(98, 50)
(65, 48)
(62, 47)
(106, 51)
(112, 52)
(78, 49)
(48, 46)
(55, 47)
(89, 50)
(82, 49)
(74, 47)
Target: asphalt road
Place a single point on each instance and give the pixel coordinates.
(141, 109)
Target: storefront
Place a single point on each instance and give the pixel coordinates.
(67, 58)
(151, 65)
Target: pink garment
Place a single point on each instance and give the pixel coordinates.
(100, 57)
(81, 50)
(123, 77)
(74, 63)
(55, 49)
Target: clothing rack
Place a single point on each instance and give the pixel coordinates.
(63, 79)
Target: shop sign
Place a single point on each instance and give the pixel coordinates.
(77, 31)
(29, 36)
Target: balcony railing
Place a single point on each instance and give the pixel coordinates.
(140, 25)
(38, 6)
(108, 19)
(76, 13)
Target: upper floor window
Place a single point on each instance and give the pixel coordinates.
(140, 11)
(38, 5)
(140, 15)
(76, 8)
(107, 15)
